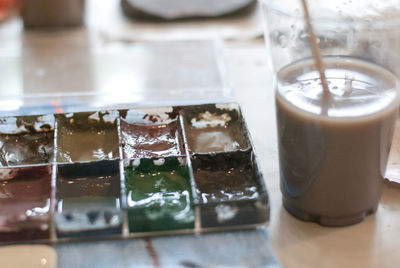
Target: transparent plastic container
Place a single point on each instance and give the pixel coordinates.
(73, 71)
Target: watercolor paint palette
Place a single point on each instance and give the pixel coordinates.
(128, 173)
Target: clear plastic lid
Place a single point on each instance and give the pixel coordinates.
(51, 72)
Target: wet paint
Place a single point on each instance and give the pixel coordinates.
(25, 205)
(87, 137)
(158, 195)
(88, 199)
(229, 189)
(212, 129)
(150, 140)
(26, 140)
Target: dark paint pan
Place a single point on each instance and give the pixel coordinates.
(88, 199)
(26, 140)
(230, 189)
(25, 204)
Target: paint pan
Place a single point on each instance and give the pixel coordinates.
(26, 140)
(230, 189)
(25, 203)
(215, 128)
(88, 199)
(89, 136)
(158, 195)
(151, 132)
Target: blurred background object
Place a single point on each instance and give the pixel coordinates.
(111, 21)
(6, 6)
(184, 9)
(52, 13)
